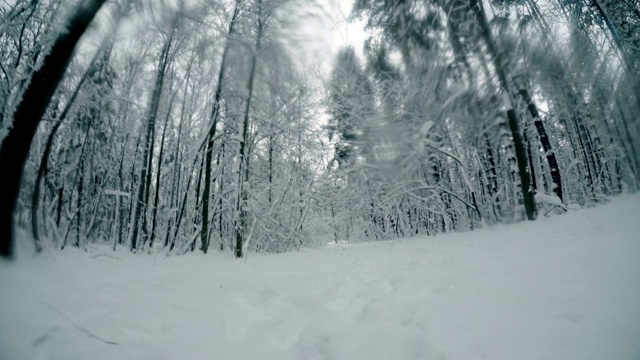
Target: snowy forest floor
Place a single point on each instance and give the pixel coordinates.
(566, 287)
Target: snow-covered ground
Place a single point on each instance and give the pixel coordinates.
(565, 288)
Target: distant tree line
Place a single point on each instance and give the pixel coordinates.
(191, 126)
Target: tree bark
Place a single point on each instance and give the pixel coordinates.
(554, 170)
(215, 113)
(243, 170)
(15, 147)
(148, 148)
(514, 123)
(156, 198)
(616, 39)
(44, 162)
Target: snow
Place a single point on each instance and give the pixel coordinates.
(564, 287)
(543, 198)
(424, 130)
(506, 99)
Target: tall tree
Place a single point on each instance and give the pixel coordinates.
(350, 103)
(28, 114)
(215, 115)
(514, 123)
(144, 180)
(243, 154)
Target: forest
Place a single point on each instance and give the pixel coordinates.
(179, 126)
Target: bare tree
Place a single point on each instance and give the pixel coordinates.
(28, 114)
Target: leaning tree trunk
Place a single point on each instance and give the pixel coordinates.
(147, 153)
(243, 169)
(156, 198)
(554, 170)
(15, 147)
(215, 113)
(175, 186)
(618, 42)
(44, 162)
(514, 122)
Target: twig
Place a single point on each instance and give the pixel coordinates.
(84, 330)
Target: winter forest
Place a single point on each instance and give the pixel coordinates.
(319, 179)
(197, 125)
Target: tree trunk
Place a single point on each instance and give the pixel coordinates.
(15, 147)
(79, 200)
(243, 170)
(44, 162)
(177, 154)
(633, 152)
(215, 113)
(514, 123)
(119, 209)
(184, 204)
(617, 41)
(147, 153)
(154, 219)
(59, 207)
(197, 200)
(554, 170)
(221, 192)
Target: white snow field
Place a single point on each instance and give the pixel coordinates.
(566, 287)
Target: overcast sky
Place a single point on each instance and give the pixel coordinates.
(319, 28)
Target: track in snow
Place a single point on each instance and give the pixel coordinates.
(559, 288)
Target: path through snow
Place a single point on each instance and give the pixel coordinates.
(560, 288)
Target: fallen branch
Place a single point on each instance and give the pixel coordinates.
(82, 329)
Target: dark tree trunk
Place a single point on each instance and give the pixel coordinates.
(513, 121)
(44, 162)
(183, 206)
(585, 149)
(175, 188)
(618, 42)
(215, 113)
(532, 169)
(243, 174)
(79, 201)
(492, 185)
(554, 170)
(196, 219)
(221, 192)
(156, 198)
(59, 208)
(631, 153)
(145, 175)
(15, 147)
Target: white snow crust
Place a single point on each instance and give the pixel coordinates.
(566, 287)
